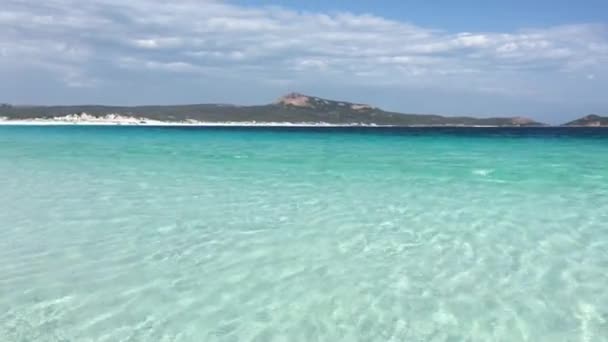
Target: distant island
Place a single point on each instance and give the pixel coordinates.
(291, 109)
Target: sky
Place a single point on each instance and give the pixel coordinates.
(542, 59)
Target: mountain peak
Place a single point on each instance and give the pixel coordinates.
(305, 101)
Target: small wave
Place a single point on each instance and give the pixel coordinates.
(482, 172)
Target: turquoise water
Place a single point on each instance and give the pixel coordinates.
(149, 234)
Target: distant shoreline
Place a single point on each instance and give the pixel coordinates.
(291, 110)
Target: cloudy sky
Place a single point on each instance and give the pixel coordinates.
(547, 60)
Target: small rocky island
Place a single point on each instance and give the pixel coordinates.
(291, 109)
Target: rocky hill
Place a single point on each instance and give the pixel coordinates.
(592, 120)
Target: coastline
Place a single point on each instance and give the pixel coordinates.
(156, 123)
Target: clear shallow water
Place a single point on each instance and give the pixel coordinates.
(146, 234)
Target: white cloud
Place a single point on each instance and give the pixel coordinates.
(473, 40)
(146, 43)
(85, 39)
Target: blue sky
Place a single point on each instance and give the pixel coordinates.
(460, 15)
(543, 59)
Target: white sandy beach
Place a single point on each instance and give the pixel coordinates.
(85, 119)
(119, 120)
(171, 124)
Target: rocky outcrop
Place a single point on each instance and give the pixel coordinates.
(305, 101)
(296, 100)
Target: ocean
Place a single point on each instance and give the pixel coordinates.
(303, 234)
